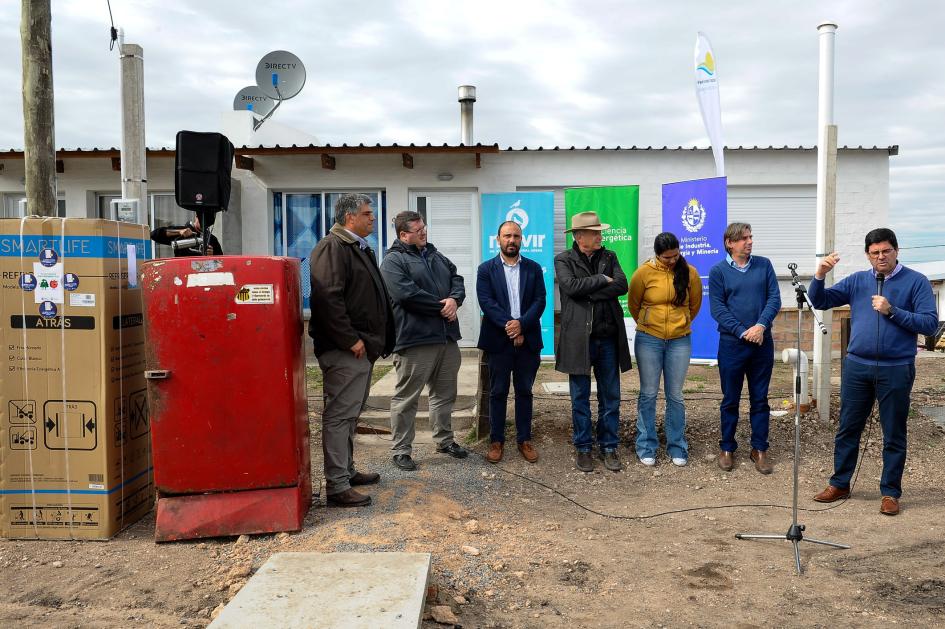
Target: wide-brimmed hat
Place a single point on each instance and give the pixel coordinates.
(587, 220)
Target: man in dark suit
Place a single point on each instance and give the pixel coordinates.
(511, 292)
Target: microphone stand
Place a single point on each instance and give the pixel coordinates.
(795, 534)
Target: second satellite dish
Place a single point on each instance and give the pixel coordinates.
(253, 99)
(280, 75)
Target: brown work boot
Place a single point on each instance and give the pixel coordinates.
(762, 462)
(365, 478)
(832, 494)
(726, 460)
(529, 453)
(348, 498)
(889, 506)
(495, 452)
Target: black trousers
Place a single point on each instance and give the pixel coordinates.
(518, 365)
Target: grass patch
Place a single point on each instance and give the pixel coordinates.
(313, 376)
(470, 438)
(695, 377)
(379, 372)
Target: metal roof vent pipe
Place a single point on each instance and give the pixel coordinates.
(467, 96)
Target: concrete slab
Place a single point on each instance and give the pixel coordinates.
(937, 413)
(467, 381)
(353, 590)
(377, 411)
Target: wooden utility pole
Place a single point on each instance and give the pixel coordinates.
(39, 154)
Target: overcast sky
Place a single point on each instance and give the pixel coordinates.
(547, 73)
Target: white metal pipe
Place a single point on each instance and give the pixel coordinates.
(827, 36)
(789, 357)
(467, 96)
(824, 227)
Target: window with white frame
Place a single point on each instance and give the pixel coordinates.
(301, 219)
(14, 206)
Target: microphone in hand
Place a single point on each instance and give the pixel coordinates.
(880, 279)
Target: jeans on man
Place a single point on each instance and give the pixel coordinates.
(603, 352)
(738, 360)
(656, 356)
(520, 366)
(860, 387)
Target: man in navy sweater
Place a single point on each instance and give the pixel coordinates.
(889, 305)
(744, 298)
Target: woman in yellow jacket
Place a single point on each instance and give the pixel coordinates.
(665, 296)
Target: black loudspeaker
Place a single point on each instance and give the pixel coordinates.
(203, 164)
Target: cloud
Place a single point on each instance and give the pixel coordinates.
(549, 72)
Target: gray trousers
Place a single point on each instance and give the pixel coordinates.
(346, 382)
(434, 365)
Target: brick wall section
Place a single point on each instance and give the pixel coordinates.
(785, 330)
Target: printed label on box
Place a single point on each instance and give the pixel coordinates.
(70, 424)
(54, 516)
(255, 294)
(48, 283)
(82, 300)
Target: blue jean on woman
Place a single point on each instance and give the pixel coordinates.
(656, 356)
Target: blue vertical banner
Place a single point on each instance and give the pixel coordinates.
(535, 212)
(697, 212)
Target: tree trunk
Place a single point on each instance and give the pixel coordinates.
(38, 129)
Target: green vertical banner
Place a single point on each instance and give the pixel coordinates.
(619, 207)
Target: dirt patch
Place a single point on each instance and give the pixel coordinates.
(710, 576)
(559, 548)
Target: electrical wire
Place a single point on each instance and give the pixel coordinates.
(649, 516)
(112, 31)
(922, 247)
(613, 516)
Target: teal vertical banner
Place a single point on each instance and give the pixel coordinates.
(535, 212)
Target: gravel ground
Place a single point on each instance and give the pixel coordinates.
(508, 552)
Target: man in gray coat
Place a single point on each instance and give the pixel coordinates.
(426, 292)
(592, 337)
(351, 326)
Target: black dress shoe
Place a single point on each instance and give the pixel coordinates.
(454, 450)
(404, 462)
(348, 498)
(362, 478)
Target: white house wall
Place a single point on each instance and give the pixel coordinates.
(862, 186)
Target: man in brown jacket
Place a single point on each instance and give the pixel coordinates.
(352, 325)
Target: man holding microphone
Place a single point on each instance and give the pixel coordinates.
(889, 305)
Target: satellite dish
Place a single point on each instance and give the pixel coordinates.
(253, 99)
(280, 75)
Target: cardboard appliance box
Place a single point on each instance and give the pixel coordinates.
(75, 451)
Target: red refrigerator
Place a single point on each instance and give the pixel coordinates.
(226, 395)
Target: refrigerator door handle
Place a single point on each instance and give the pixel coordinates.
(157, 374)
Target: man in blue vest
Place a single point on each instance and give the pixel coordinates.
(889, 305)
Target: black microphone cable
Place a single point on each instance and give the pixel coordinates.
(647, 516)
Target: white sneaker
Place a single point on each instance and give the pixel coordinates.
(678, 461)
(648, 461)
